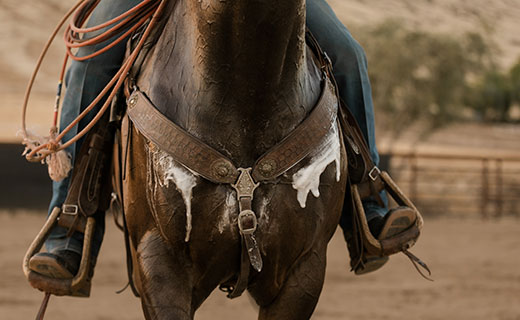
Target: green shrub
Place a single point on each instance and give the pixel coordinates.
(514, 76)
(418, 75)
(491, 96)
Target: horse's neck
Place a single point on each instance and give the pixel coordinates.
(235, 73)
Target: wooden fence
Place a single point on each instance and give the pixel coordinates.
(460, 183)
(454, 183)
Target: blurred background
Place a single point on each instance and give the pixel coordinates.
(446, 86)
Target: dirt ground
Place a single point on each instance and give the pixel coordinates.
(474, 262)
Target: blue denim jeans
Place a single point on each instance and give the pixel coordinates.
(350, 70)
(86, 79)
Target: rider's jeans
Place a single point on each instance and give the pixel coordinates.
(84, 81)
(350, 71)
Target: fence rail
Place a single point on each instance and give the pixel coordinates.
(451, 182)
(485, 182)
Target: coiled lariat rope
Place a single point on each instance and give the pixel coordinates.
(50, 148)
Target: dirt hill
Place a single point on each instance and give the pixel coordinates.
(25, 25)
(501, 18)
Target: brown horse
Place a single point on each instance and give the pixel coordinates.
(239, 78)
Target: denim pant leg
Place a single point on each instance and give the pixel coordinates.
(84, 81)
(350, 70)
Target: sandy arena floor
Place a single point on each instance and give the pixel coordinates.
(474, 263)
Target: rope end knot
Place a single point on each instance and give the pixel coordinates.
(53, 146)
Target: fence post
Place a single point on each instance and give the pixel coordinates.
(485, 188)
(498, 198)
(414, 173)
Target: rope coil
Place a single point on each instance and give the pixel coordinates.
(147, 12)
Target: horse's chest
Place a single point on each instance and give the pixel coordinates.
(181, 198)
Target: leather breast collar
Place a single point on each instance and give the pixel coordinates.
(212, 165)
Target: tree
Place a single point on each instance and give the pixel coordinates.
(491, 97)
(514, 76)
(417, 75)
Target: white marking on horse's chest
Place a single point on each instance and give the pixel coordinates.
(230, 207)
(308, 178)
(185, 180)
(263, 209)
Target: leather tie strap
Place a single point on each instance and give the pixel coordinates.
(43, 307)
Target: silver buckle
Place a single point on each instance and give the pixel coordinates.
(374, 173)
(69, 209)
(249, 215)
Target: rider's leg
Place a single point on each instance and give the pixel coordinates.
(350, 70)
(84, 81)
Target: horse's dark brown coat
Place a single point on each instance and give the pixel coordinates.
(237, 75)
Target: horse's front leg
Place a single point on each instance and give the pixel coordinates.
(300, 293)
(165, 283)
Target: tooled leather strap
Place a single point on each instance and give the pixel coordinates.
(302, 140)
(182, 146)
(196, 155)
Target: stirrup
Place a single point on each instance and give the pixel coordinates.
(394, 244)
(400, 242)
(79, 285)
